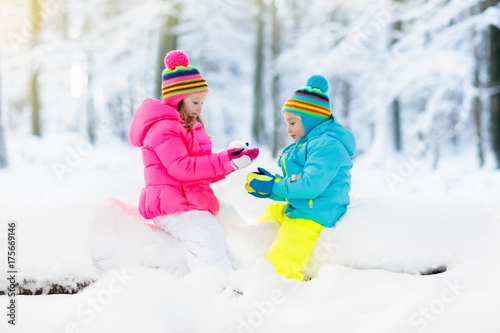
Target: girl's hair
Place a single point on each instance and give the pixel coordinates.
(190, 121)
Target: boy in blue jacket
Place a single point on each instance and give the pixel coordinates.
(316, 178)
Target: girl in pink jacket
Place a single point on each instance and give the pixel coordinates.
(180, 166)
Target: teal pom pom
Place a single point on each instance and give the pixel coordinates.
(318, 82)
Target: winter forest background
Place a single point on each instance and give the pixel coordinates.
(416, 79)
(417, 82)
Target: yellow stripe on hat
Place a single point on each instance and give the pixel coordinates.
(177, 87)
(308, 107)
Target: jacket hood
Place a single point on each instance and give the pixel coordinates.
(337, 131)
(149, 112)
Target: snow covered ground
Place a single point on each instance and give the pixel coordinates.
(76, 221)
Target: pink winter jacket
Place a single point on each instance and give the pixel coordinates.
(179, 164)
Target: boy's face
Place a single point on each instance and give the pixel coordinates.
(193, 104)
(294, 126)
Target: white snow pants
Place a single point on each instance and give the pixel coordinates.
(203, 236)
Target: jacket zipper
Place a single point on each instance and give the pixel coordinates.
(284, 166)
(286, 175)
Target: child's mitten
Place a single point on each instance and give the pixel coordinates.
(256, 194)
(241, 157)
(262, 181)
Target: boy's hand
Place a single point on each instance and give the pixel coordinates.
(261, 182)
(255, 193)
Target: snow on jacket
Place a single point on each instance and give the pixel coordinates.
(179, 164)
(322, 159)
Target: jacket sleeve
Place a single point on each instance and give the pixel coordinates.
(322, 165)
(168, 143)
(275, 197)
(220, 177)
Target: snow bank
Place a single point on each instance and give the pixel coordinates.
(366, 270)
(410, 234)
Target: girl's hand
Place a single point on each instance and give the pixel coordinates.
(242, 157)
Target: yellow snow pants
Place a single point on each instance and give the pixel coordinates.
(293, 248)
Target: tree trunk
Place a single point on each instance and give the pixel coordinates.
(345, 91)
(65, 18)
(477, 105)
(495, 84)
(168, 42)
(3, 146)
(396, 122)
(296, 13)
(275, 89)
(89, 107)
(34, 98)
(35, 105)
(395, 105)
(477, 109)
(258, 84)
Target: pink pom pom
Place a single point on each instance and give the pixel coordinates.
(176, 58)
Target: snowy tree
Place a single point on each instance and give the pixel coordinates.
(167, 39)
(258, 129)
(395, 105)
(3, 147)
(278, 127)
(36, 14)
(218, 37)
(403, 74)
(114, 76)
(494, 84)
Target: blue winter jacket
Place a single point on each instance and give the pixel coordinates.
(322, 162)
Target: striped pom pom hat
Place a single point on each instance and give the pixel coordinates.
(180, 79)
(311, 103)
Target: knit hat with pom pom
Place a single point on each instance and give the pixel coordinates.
(310, 103)
(180, 79)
